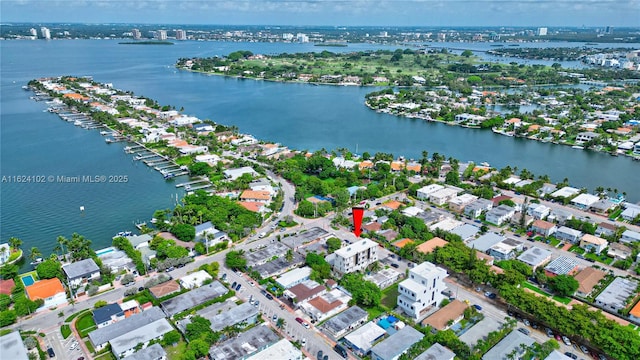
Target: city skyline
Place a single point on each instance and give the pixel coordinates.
(572, 13)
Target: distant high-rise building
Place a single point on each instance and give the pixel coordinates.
(384, 34)
(181, 35)
(608, 30)
(542, 31)
(442, 36)
(287, 36)
(302, 38)
(46, 34)
(136, 34)
(33, 32)
(161, 34)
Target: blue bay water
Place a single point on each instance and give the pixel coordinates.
(300, 116)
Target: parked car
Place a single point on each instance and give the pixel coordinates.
(306, 325)
(233, 285)
(584, 349)
(299, 320)
(51, 353)
(275, 317)
(526, 322)
(566, 341)
(395, 265)
(478, 307)
(340, 350)
(269, 296)
(549, 332)
(238, 287)
(524, 331)
(571, 355)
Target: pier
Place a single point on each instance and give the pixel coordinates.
(142, 157)
(201, 187)
(197, 181)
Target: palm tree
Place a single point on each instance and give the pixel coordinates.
(62, 241)
(280, 323)
(34, 253)
(15, 243)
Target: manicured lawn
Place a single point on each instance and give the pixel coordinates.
(390, 296)
(85, 324)
(577, 249)
(554, 242)
(536, 289)
(89, 346)
(561, 299)
(375, 312)
(65, 330)
(176, 352)
(599, 258)
(105, 356)
(74, 316)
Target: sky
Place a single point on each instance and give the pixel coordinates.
(590, 13)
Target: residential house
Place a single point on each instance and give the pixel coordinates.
(630, 237)
(506, 249)
(602, 206)
(631, 211)
(245, 314)
(294, 277)
(261, 196)
(458, 203)
(565, 192)
(436, 352)
(102, 336)
(429, 246)
(606, 229)
(362, 339)
(560, 216)
(81, 272)
(486, 241)
(447, 224)
(49, 290)
(447, 316)
(568, 234)
(139, 241)
(538, 211)
(347, 321)
(384, 278)
(587, 279)
(586, 136)
(397, 344)
(107, 315)
(6, 286)
(355, 257)
(164, 289)
(562, 265)
(535, 257)
(614, 297)
(584, 201)
(424, 192)
(511, 343)
(326, 305)
(282, 349)
(193, 298)
(304, 291)
(634, 314)
(619, 251)
(233, 174)
(467, 232)
(5, 253)
(499, 215)
(442, 196)
(208, 234)
(195, 280)
(245, 344)
(126, 344)
(422, 290)
(12, 347)
(593, 243)
(153, 352)
(402, 243)
(543, 228)
(262, 185)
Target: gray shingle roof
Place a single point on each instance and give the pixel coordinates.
(80, 268)
(193, 298)
(153, 352)
(397, 343)
(107, 333)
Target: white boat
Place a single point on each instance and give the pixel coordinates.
(485, 164)
(104, 133)
(36, 261)
(578, 147)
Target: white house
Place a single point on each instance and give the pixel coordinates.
(568, 234)
(195, 280)
(81, 272)
(424, 192)
(5, 252)
(422, 290)
(538, 211)
(355, 257)
(499, 215)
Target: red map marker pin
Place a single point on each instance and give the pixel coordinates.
(357, 213)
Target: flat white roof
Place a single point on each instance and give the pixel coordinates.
(585, 199)
(365, 336)
(426, 269)
(283, 349)
(566, 191)
(288, 279)
(447, 224)
(355, 248)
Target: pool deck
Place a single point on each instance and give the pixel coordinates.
(32, 274)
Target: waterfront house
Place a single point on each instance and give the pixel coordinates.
(586, 136)
(565, 192)
(593, 243)
(260, 196)
(5, 253)
(206, 232)
(81, 272)
(50, 291)
(584, 201)
(562, 265)
(233, 174)
(587, 279)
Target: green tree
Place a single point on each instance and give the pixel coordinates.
(364, 292)
(563, 285)
(184, 232)
(7, 317)
(14, 243)
(34, 253)
(199, 169)
(200, 347)
(333, 244)
(9, 271)
(467, 53)
(235, 260)
(49, 269)
(170, 338)
(5, 301)
(99, 304)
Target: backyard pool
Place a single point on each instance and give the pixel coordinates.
(104, 251)
(28, 280)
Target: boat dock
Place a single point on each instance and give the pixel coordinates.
(197, 181)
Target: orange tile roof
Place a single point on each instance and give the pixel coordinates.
(251, 205)
(258, 194)
(44, 289)
(324, 306)
(402, 243)
(164, 289)
(541, 224)
(365, 165)
(452, 311)
(588, 278)
(427, 247)
(414, 167)
(374, 226)
(636, 310)
(393, 204)
(75, 96)
(178, 143)
(397, 166)
(534, 127)
(513, 121)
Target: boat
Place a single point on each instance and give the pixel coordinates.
(25, 87)
(168, 175)
(485, 164)
(578, 147)
(124, 233)
(104, 133)
(36, 261)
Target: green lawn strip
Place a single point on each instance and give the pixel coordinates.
(375, 312)
(176, 352)
(90, 346)
(561, 299)
(554, 242)
(75, 315)
(536, 289)
(85, 324)
(390, 297)
(599, 258)
(65, 330)
(105, 356)
(577, 249)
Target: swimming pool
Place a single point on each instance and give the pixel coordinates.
(104, 251)
(28, 280)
